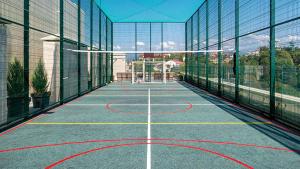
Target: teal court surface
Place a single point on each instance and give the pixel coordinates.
(138, 126)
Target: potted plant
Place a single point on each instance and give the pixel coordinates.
(39, 82)
(180, 77)
(15, 89)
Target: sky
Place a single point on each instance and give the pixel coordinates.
(149, 10)
(254, 15)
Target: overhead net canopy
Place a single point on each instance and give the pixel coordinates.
(149, 10)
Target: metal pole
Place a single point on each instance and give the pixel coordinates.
(237, 41)
(162, 40)
(207, 41)
(143, 69)
(78, 45)
(164, 71)
(132, 72)
(192, 48)
(106, 60)
(272, 59)
(186, 59)
(112, 55)
(61, 50)
(219, 46)
(100, 46)
(198, 54)
(91, 47)
(26, 57)
(150, 36)
(135, 39)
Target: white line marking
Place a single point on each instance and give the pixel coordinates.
(149, 133)
(144, 89)
(120, 104)
(142, 52)
(94, 95)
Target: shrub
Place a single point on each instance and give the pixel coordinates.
(15, 79)
(39, 81)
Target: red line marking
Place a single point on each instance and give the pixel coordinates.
(108, 107)
(20, 125)
(145, 139)
(143, 143)
(189, 107)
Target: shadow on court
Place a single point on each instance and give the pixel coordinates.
(108, 128)
(284, 136)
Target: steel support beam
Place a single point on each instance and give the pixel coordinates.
(272, 59)
(100, 48)
(91, 47)
(192, 48)
(237, 41)
(78, 46)
(61, 50)
(198, 54)
(219, 47)
(26, 57)
(186, 58)
(112, 55)
(106, 60)
(207, 41)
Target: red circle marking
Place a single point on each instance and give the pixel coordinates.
(143, 143)
(189, 107)
(145, 139)
(108, 107)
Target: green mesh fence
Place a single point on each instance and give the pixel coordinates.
(37, 39)
(264, 37)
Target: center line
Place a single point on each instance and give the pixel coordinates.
(149, 133)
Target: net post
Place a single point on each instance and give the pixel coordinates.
(164, 71)
(144, 70)
(132, 71)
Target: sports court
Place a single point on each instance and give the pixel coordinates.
(173, 125)
(149, 84)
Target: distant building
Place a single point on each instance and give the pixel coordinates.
(119, 64)
(3, 72)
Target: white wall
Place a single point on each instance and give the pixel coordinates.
(3, 74)
(119, 65)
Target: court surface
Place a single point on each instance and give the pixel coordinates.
(138, 126)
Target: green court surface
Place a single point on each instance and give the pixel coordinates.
(138, 126)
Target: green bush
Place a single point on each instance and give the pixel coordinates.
(15, 79)
(39, 81)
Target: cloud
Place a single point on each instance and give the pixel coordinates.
(288, 38)
(294, 38)
(285, 41)
(169, 45)
(261, 38)
(117, 47)
(140, 43)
